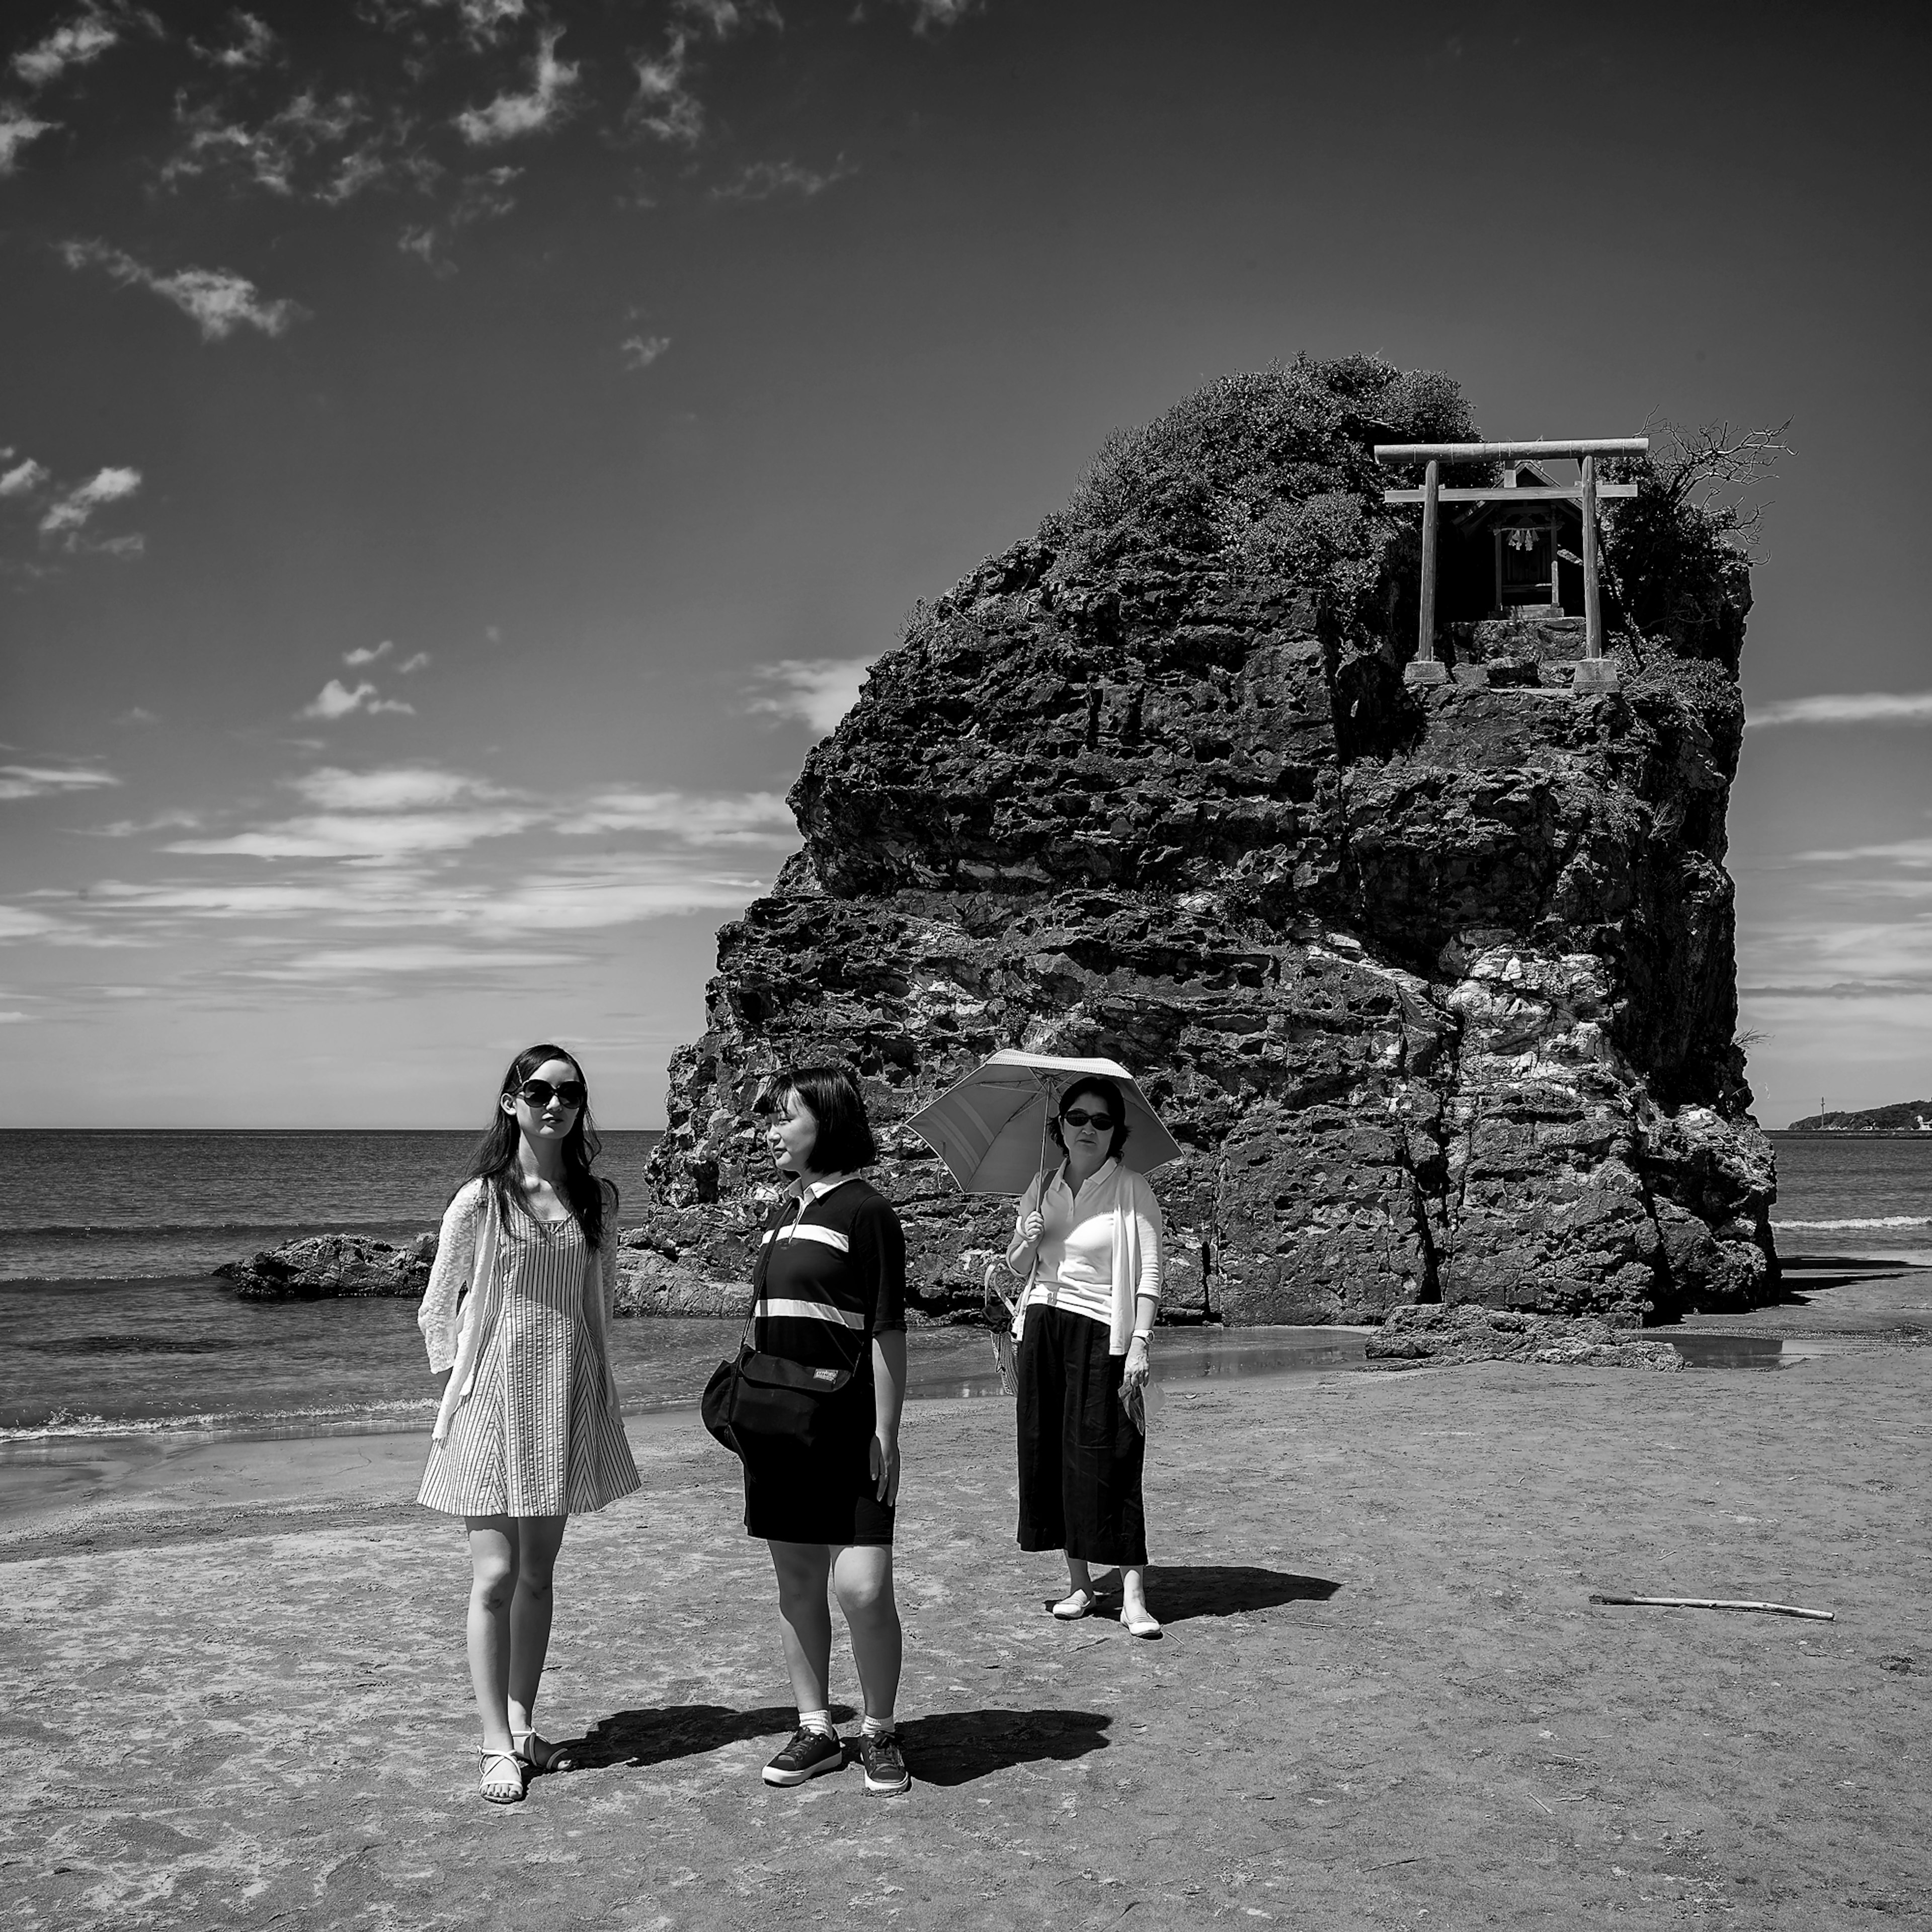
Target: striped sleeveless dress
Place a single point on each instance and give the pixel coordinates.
(538, 1435)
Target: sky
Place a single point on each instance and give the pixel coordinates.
(456, 456)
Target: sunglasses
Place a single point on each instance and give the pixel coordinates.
(539, 1093)
(1076, 1118)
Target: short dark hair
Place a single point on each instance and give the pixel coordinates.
(1102, 1089)
(844, 1143)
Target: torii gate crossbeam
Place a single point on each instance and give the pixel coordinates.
(1595, 672)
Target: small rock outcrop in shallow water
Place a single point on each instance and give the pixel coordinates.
(1438, 1336)
(327, 1266)
(1435, 987)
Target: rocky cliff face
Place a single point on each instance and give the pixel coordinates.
(1435, 987)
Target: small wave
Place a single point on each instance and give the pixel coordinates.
(1875, 1221)
(67, 1423)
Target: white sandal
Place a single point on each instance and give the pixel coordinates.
(1080, 1603)
(1145, 1625)
(499, 1786)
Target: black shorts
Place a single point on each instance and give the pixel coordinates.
(830, 1496)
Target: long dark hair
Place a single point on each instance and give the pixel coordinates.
(495, 1159)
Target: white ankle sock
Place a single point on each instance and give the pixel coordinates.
(820, 1721)
(876, 1727)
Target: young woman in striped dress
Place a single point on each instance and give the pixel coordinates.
(518, 1309)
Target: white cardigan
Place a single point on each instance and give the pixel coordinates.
(459, 1306)
(1126, 1195)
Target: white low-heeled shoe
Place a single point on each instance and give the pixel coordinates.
(1145, 1625)
(1078, 1603)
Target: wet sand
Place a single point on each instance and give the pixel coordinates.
(1384, 1698)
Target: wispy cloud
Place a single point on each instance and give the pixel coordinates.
(545, 104)
(363, 654)
(1867, 707)
(253, 45)
(310, 127)
(390, 788)
(335, 700)
(71, 511)
(135, 715)
(483, 196)
(1898, 851)
(18, 127)
(751, 818)
(640, 351)
(217, 300)
(764, 179)
(44, 781)
(817, 692)
(24, 479)
(936, 16)
(417, 660)
(82, 41)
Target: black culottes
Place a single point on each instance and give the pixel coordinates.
(1081, 1455)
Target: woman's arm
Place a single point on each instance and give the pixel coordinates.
(1028, 1228)
(1149, 1234)
(440, 1315)
(889, 1375)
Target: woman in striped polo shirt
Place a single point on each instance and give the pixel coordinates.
(1086, 1240)
(830, 1281)
(517, 1309)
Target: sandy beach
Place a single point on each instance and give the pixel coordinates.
(1384, 1698)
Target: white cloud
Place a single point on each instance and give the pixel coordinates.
(307, 128)
(817, 692)
(333, 965)
(1867, 707)
(13, 1018)
(335, 700)
(750, 818)
(1901, 851)
(18, 127)
(134, 828)
(722, 18)
(764, 179)
(419, 661)
(136, 716)
(83, 40)
(512, 116)
(376, 838)
(665, 105)
(41, 781)
(935, 16)
(362, 654)
(640, 351)
(254, 41)
(390, 788)
(218, 300)
(70, 513)
(24, 478)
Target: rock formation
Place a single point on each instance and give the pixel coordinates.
(323, 1266)
(1435, 986)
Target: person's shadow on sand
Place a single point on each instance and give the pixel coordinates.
(951, 1747)
(1179, 1591)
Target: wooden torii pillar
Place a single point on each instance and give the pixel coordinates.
(1595, 672)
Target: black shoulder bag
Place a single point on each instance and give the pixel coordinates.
(760, 1406)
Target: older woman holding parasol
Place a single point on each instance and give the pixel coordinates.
(1086, 1240)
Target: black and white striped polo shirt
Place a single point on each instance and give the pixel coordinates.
(831, 1275)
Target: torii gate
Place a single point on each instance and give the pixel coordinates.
(1595, 672)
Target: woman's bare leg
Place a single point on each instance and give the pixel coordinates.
(862, 1575)
(539, 1539)
(804, 1619)
(493, 1582)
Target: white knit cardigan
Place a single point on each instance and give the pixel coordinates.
(1137, 1234)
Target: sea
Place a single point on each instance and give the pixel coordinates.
(113, 1323)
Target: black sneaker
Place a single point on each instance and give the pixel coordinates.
(809, 1754)
(886, 1773)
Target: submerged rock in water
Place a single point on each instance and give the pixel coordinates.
(326, 1266)
(1442, 1336)
(1435, 986)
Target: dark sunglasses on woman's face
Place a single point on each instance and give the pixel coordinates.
(1101, 1123)
(538, 1092)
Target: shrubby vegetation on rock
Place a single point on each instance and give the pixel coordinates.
(1435, 988)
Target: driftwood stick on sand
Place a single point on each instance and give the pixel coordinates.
(1718, 1603)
